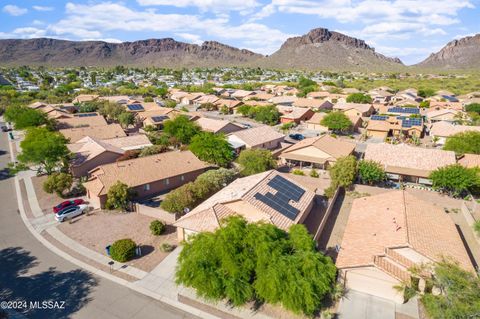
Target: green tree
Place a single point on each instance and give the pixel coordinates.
(371, 172)
(118, 196)
(267, 114)
(212, 181)
(463, 143)
(25, 117)
(58, 183)
(181, 128)
(212, 148)
(244, 262)
(455, 179)
(344, 171)
(126, 119)
(306, 86)
(473, 107)
(428, 92)
(460, 293)
(254, 161)
(44, 148)
(337, 122)
(170, 103)
(359, 98)
(244, 109)
(177, 200)
(111, 110)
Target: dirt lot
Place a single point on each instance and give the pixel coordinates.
(102, 228)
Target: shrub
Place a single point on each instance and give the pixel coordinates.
(118, 196)
(371, 172)
(254, 161)
(359, 98)
(123, 250)
(298, 172)
(157, 227)
(58, 183)
(476, 227)
(330, 191)
(337, 122)
(314, 173)
(166, 247)
(344, 171)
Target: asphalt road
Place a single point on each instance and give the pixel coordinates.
(29, 272)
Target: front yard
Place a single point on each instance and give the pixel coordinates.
(102, 228)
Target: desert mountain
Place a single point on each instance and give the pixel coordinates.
(318, 49)
(457, 54)
(154, 52)
(324, 49)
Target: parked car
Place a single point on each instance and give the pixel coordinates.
(70, 212)
(297, 136)
(6, 128)
(246, 125)
(67, 203)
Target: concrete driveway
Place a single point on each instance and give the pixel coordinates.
(357, 305)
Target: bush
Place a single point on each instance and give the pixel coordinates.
(371, 172)
(58, 183)
(476, 227)
(123, 250)
(314, 173)
(254, 161)
(344, 171)
(118, 196)
(298, 172)
(166, 247)
(337, 122)
(157, 227)
(329, 191)
(359, 98)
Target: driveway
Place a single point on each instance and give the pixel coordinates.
(357, 305)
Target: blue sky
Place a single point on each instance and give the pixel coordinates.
(407, 29)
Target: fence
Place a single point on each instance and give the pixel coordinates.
(156, 212)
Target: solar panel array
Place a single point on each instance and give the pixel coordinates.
(86, 114)
(159, 118)
(406, 110)
(280, 202)
(409, 121)
(135, 107)
(379, 117)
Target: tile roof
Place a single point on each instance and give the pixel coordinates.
(315, 103)
(228, 103)
(88, 148)
(470, 160)
(144, 170)
(332, 146)
(130, 142)
(409, 157)
(240, 195)
(295, 112)
(440, 112)
(363, 108)
(446, 129)
(78, 121)
(258, 135)
(213, 125)
(99, 132)
(398, 219)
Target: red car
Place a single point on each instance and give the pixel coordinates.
(67, 203)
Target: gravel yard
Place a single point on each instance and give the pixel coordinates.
(102, 228)
(45, 201)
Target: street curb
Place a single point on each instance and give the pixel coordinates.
(93, 270)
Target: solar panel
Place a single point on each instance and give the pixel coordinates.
(135, 107)
(405, 110)
(86, 114)
(286, 191)
(159, 118)
(379, 117)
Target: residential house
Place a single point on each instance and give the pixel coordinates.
(205, 99)
(218, 126)
(446, 115)
(97, 132)
(269, 197)
(230, 104)
(81, 120)
(315, 104)
(442, 130)
(381, 126)
(190, 98)
(319, 152)
(241, 94)
(90, 153)
(354, 109)
(405, 111)
(146, 176)
(85, 98)
(318, 95)
(389, 233)
(436, 105)
(295, 114)
(285, 100)
(380, 96)
(118, 99)
(259, 96)
(470, 160)
(257, 137)
(130, 142)
(407, 163)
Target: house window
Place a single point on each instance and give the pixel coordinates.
(167, 181)
(146, 187)
(182, 178)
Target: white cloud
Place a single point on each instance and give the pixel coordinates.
(86, 21)
(205, 5)
(14, 10)
(193, 38)
(42, 8)
(24, 33)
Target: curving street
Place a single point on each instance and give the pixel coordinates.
(30, 272)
